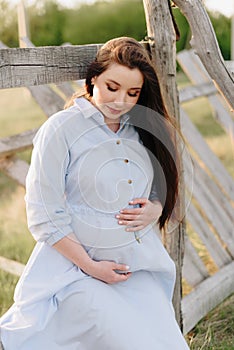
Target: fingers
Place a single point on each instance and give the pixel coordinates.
(110, 272)
(130, 211)
(121, 267)
(138, 201)
(122, 272)
(126, 217)
(130, 224)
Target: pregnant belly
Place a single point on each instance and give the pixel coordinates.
(101, 231)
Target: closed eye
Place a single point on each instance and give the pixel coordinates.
(134, 94)
(111, 88)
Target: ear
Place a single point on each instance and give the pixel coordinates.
(93, 80)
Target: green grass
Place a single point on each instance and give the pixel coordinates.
(8, 283)
(215, 331)
(16, 242)
(19, 112)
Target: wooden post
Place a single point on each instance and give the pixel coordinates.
(162, 39)
(206, 47)
(23, 27)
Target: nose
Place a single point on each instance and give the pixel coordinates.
(121, 98)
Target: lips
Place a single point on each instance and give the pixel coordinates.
(114, 111)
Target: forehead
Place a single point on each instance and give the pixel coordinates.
(123, 75)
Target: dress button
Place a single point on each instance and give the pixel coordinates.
(129, 181)
(118, 142)
(126, 160)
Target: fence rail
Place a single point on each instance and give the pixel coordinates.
(213, 186)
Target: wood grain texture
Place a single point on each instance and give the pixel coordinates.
(201, 227)
(44, 65)
(163, 49)
(194, 271)
(206, 46)
(195, 70)
(217, 216)
(64, 87)
(191, 92)
(210, 160)
(207, 295)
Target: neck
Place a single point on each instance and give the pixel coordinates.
(113, 125)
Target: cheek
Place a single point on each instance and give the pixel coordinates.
(101, 94)
(131, 102)
(135, 100)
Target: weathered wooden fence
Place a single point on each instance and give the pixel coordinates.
(211, 218)
(213, 189)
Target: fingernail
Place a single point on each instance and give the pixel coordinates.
(121, 211)
(127, 267)
(127, 229)
(120, 222)
(131, 202)
(117, 216)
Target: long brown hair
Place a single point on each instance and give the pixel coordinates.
(151, 122)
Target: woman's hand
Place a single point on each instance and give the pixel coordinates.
(105, 271)
(69, 247)
(136, 219)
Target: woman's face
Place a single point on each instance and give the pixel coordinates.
(116, 90)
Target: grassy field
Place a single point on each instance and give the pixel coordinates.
(19, 112)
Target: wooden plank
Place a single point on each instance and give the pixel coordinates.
(224, 204)
(15, 168)
(191, 92)
(195, 70)
(207, 295)
(23, 26)
(11, 266)
(64, 87)
(212, 208)
(205, 44)
(16, 143)
(193, 270)
(221, 114)
(216, 250)
(212, 162)
(44, 65)
(230, 64)
(163, 51)
(49, 101)
(192, 68)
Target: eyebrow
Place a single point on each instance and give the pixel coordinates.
(115, 82)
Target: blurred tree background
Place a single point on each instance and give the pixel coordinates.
(52, 24)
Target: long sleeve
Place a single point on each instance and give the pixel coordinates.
(47, 215)
(153, 194)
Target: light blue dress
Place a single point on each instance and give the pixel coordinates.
(81, 175)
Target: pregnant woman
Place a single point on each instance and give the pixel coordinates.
(102, 183)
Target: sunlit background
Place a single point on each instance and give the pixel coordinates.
(223, 6)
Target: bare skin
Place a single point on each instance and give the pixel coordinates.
(102, 270)
(136, 219)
